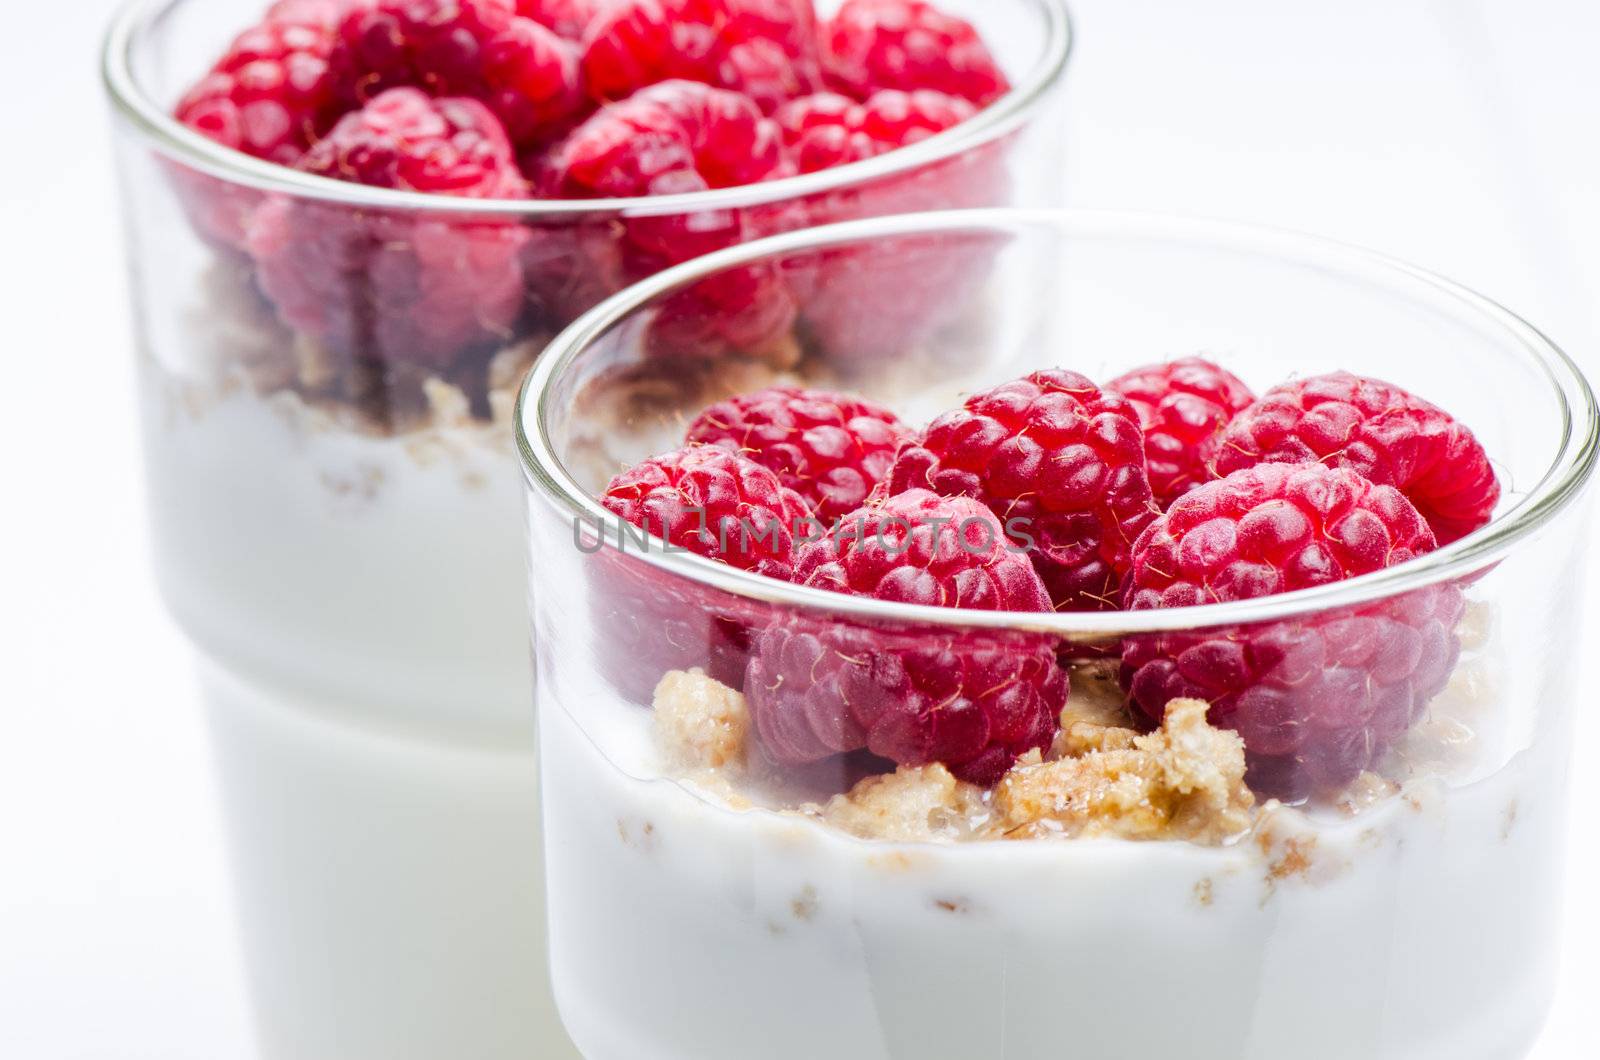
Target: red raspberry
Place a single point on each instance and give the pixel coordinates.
(1061, 462)
(908, 44)
(396, 287)
(765, 49)
(1317, 699)
(1377, 430)
(871, 303)
(972, 700)
(269, 95)
(830, 448)
(826, 130)
(481, 49)
(713, 502)
(1183, 405)
(647, 623)
(677, 136)
(404, 139)
(680, 136)
(567, 18)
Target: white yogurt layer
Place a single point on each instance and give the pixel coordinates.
(385, 573)
(360, 601)
(1420, 929)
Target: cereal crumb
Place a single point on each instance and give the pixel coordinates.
(716, 785)
(1476, 627)
(1365, 792)
(804, 906)
(1295, 860)
(701, 722)
(1205, 892)
(1508, 820)
(1184, 781)
(448, 405)
(912, 804)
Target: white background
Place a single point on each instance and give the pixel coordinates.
(1461, 134)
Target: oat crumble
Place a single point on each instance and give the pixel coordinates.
(920, 804)
(1101, 777)
(701, 723)
(1183, 781)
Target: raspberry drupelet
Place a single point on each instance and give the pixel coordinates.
(973, 700)
(908, 44)
(482, 49)
(1183, 406)
(1317, 699)
(764, 49)
(1061, 462)
(400, 288)
(830, 448)
(1378, 430)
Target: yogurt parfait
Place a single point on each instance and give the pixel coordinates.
(1166, 655)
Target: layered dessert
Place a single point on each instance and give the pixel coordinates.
(360, 360)
(395, 205)
(927, 821)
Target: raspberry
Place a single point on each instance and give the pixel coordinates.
(829, 448)
(480, 49)
(764, 49)
(648, 623)
(269, 95)
(403, 139)
(393, 287)
(972, 700)
(1183, 405)
(874, 302)
(1061, 462)
(676, 136)
(1317, 699)
(826, 129)
(715, 503)
(1377, 430)
(907, 44)
(680, 136)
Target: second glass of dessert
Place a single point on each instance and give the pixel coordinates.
(353, 224)
(1143, 638)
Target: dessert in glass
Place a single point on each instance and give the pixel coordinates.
(1167, 649)
(352, 225)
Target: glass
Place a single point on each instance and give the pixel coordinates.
(337, 514)
(708, 903)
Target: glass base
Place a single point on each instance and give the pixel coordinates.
(391, 890)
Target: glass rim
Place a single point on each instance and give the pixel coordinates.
(1560, 484)
(137, 18)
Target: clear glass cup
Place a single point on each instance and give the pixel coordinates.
(707, 903)
(337, 515)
